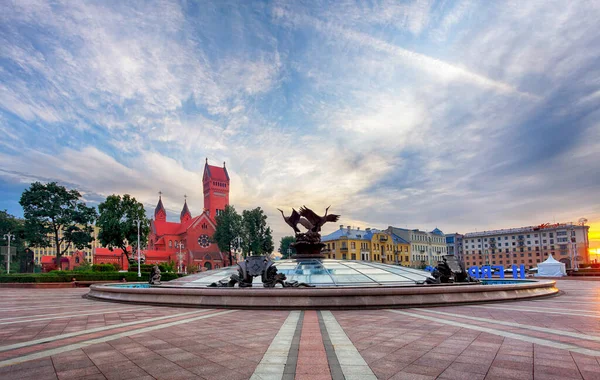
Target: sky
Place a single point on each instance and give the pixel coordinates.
(461, 115)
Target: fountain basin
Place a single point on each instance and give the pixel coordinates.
(348, 297)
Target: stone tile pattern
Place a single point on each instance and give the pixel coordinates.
(400, 347)
(312, 359)
(231, 346)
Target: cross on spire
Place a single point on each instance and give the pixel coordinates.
(160, 194)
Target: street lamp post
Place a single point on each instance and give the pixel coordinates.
(8, 237)
(238, 242)
(180, 255)
(289, 252)
(574, 252)
(139, 222)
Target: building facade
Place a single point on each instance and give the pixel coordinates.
(51, 251)
(454, 245)
(566, 242)
(349, 243)
(190, 239)
(426, 248)
(67, 262)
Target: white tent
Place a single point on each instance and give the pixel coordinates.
(551, 268)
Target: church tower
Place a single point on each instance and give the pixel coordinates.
(216, 189)
(185, 215)
(159, 212)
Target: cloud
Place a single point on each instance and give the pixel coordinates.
(458, 115)
(432, 66)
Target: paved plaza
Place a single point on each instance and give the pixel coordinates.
(57, 334)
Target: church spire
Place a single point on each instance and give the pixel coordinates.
(159, 212)
(185, 212)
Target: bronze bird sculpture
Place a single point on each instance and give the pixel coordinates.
(292, 220)
(308, 225)
(316, 220)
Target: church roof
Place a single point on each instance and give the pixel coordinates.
(216, 173)
(48, 259)
(172, 228)
(185, 210)
(159, 206)
(107, 252)
(167, 228)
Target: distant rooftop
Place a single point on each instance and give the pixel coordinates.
(546, 226)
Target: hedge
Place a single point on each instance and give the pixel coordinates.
(146, 267)
(67, 276)
(103, 268)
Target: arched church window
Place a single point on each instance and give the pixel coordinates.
(176, 244)
(170, 243)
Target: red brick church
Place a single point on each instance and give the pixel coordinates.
(192, 235)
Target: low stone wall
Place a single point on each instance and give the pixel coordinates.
(51, 285)
(325, 298)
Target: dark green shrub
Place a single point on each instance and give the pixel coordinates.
(103, 268)
(68, 276)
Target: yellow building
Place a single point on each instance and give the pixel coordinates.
(373, 245)
(51, 251)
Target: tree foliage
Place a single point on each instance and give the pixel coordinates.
(229, 228)
(257, 238)
(16, 226)
(117, 222)
(55, 216)
(284, 245)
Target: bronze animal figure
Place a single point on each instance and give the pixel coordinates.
(292, 220)
(316, 220)
(308, 225)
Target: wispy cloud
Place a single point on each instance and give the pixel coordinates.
(460, 115)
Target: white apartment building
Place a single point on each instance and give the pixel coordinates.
(427, 248)
(567, 242)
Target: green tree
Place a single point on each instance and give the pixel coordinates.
(55, 216)
(257, 238)
(229, 227)
(284, 245)
(117, 223)
(9, 223)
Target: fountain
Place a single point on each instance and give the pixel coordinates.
(310, 281)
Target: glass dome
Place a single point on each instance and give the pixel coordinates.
(322, 273)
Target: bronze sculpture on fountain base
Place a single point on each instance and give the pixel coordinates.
(308, 244)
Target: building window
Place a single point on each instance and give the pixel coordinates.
(170, 243)
(353, 246)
